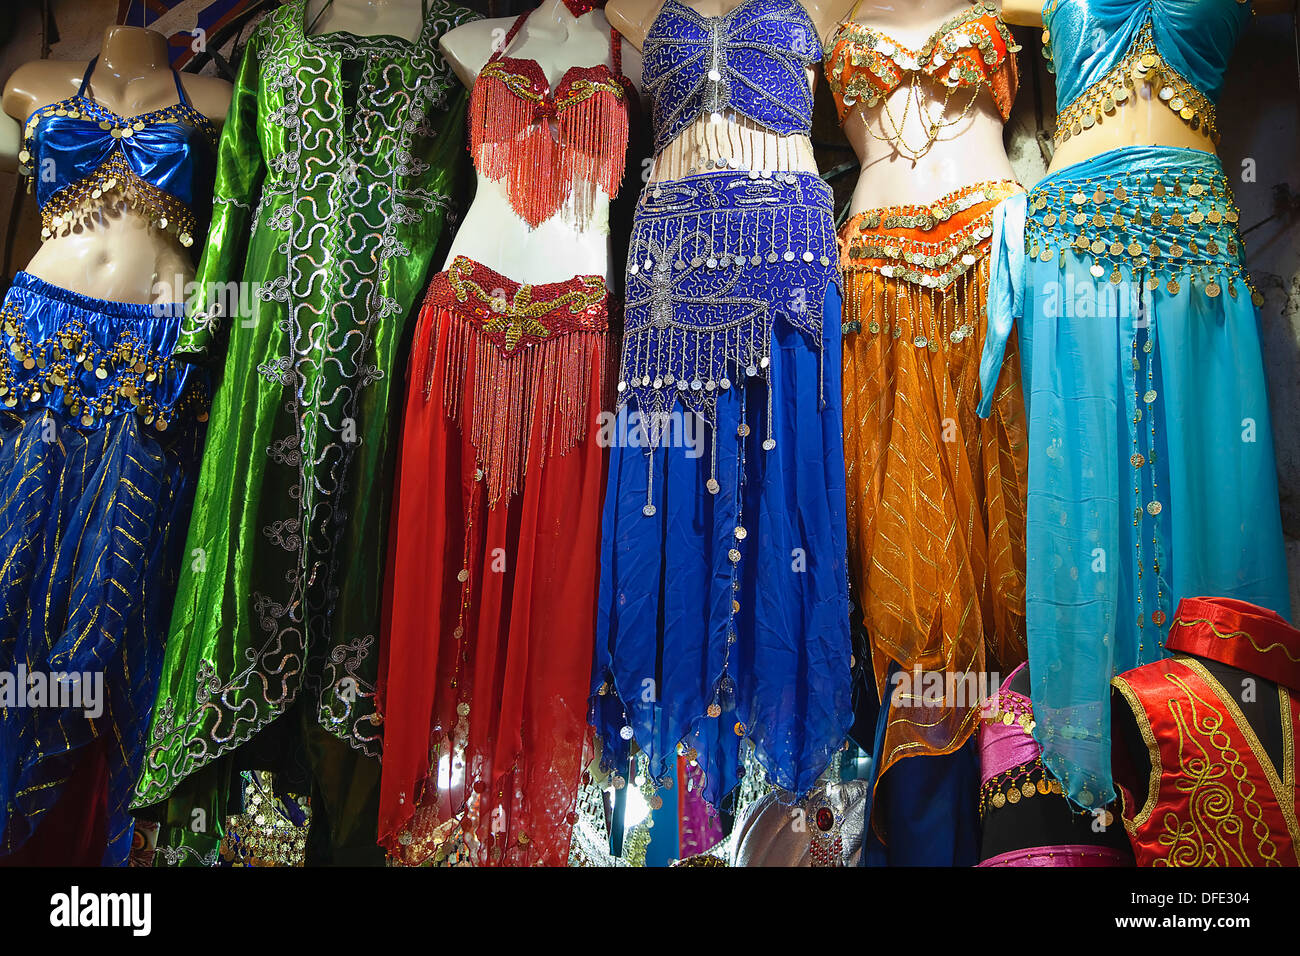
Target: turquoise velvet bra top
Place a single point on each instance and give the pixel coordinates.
(1100, 50)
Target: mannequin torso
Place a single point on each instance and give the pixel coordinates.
(968, 151)
(397, 18)
(1142, 121)
(1047, 820)
(116, 253)
(493, 233)
(735, 137)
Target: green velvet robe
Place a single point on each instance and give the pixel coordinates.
(336, 176)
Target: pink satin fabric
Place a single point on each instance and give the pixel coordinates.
(1066, 855)
(1002, 746)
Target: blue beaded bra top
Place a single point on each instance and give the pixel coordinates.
(753, 61)
(1101, 50)
(161, 162)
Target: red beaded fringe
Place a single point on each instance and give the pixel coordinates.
(511, 141)
(547, 374)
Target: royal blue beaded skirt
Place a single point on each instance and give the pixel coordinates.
(723, 617)
(100, 437)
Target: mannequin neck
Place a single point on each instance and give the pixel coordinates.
(132, 51)
(401, 18)
(549, 11)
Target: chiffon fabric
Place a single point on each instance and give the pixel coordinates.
(936, 494)
(723, 613)
(718, 656)
(493, 569)
(100, 436)
(1151, 474)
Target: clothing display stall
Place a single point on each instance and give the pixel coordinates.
(654, 433)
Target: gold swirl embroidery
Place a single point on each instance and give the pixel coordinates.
(519, 316)
(1209, 767)
(580, 90)
(1276, 645)
(1284, 786)
(521, 86)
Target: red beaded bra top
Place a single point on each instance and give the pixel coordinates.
(511, 111)
(972, 49)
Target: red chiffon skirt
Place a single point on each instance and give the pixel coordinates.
(494, 566)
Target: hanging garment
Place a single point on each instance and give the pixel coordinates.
(511, 110)
(494, 560)
(1218, 794)
(971, 51)
(936, 494)
(1144, 381)
(335, 180)
(723, 613)
(160, 162)
(494, 569)
(100, 434)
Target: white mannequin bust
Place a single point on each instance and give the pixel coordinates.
(493, 233)
(969, 151)
(116, 253)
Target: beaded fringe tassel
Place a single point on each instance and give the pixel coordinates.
(541, 172)
(551, 378)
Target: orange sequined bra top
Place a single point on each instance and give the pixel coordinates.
(161, 162)
(973, 50)
(512, 109)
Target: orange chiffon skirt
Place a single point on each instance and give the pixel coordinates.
(936, 494)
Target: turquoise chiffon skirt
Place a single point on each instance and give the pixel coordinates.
(1151, 468)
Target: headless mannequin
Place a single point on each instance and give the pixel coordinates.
(750, 144)
(493, 233)
(1131, 762)
(969, 151)
(1045, 820)
(365, 18)
(116, 253)
(1140, 121)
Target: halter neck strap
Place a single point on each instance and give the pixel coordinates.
(90, 68)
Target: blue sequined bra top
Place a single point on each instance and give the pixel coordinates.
(161, 162)
(752, 62)
(1101, 50)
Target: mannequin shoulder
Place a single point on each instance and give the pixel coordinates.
(209, 94)
(39, 82)
(826, 15)
(468, 46)
(1025, 13)
(632, 18)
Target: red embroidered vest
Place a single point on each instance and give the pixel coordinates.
(1214, 798)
